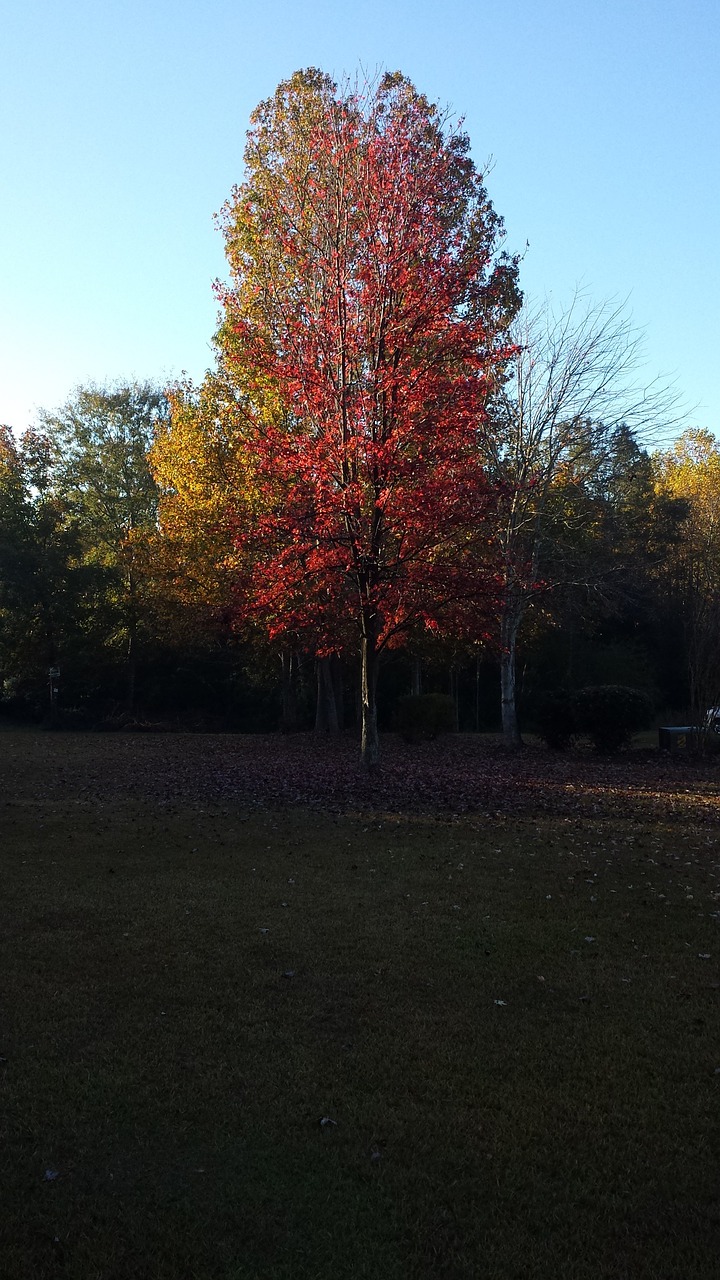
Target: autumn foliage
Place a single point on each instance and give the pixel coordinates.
(203, 469)
(365, 323)
(390, 452)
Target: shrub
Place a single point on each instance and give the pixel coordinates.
(68, 718)
(422, 717)
(555, 720)
(610, 714)
(21, 708)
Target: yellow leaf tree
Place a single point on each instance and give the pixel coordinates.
(689, 474)
(202, 463)
(203, 473)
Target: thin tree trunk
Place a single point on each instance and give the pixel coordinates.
(326, 714)
(131, 671)
(131, 665)
(289, 713)
(52, 660)
(415, 677)
(357, 699)
(338, 683)
(131, 651)
(510, 623)
(455, 695)
(370, 743)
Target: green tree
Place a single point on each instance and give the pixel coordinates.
(100, 441)
(41, 584)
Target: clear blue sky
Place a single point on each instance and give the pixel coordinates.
(122, 130)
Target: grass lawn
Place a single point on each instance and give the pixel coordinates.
(247, 1039)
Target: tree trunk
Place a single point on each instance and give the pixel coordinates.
(289, 713)
(370, 743)
(704, 665)
(415, 677)
(51, 659)
(509, 625)
(338, 682)
(357, 700)
(131, 666)
(131, 651)
(455, 695)
(326, 712)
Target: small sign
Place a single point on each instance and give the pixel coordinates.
(54, 673)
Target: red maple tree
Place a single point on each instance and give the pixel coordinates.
(365, 319)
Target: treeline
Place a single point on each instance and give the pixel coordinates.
(131, 589)
(399, 476)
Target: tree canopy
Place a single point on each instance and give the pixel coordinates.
(366, 320)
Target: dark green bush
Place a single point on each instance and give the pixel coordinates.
(422, 717)
(21, 708)
(610, 714)
(555, 719)
(68, 718)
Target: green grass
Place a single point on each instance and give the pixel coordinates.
(162, 1064)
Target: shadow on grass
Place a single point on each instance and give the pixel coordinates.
(511, 1019)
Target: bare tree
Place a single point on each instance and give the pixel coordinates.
(571, 386)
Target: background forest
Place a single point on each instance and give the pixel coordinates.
(139, 619)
